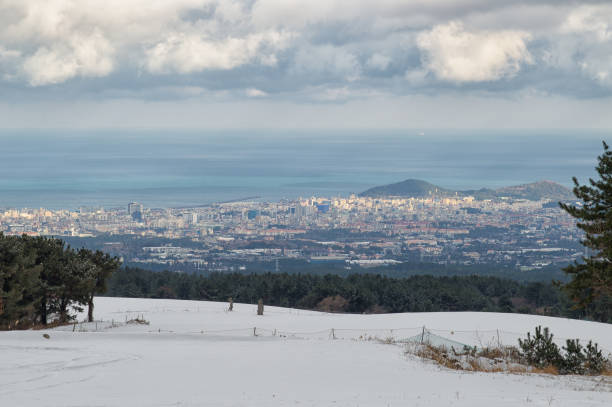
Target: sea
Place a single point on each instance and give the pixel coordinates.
(183, 168)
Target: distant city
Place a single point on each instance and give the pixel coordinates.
(354, 231)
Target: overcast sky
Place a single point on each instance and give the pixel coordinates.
(306, 63)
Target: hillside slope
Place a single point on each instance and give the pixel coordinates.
(413, 188)
(198, 354)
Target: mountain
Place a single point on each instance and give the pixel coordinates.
(415, 188)
(538, 190)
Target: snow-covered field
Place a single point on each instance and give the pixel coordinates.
(198, 354)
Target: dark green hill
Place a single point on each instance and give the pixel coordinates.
(415, 188)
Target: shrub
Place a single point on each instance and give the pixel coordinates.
(573, 360)
(540, 350)
(594, 361)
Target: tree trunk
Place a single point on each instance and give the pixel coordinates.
(90, 309)
(63, 310)
(43, 311)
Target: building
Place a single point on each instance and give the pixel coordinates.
(135, 210)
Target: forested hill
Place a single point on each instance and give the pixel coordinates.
(415, 188)
(367, 293)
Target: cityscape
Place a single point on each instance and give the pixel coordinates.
(307, 203)
(356, 231)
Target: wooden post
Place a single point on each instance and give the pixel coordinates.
(231, 304)
(423, 334)
(254, 331)
(260, 307)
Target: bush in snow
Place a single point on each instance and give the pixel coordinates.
(594, 361)
(540, 350)
(574, 358)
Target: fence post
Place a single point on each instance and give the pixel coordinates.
(333, 332)
(254, 331)
(423, 334)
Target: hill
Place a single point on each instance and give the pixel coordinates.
(195, 353)
(414, 188)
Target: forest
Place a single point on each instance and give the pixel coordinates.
(43, 281)
(359, 293)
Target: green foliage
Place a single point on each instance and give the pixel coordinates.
(19, 280)
(41, 278)
(573, 359)
(540, 350)
(591, 279)
(594, 361)
(359, 292)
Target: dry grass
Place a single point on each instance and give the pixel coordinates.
(489, 360)
(138, 321)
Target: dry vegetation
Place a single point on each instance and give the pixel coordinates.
(506, 359)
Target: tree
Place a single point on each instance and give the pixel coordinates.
(591, 279)
(49, 256)
(19, 278)
(102, 267)
(76, 282)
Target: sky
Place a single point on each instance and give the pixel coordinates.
(217, 64)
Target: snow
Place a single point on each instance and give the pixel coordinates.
(198, 354)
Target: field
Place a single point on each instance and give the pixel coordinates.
(198, 354)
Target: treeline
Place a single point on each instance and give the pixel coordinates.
(42, 280)
(356, 293)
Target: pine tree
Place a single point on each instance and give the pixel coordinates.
(592, 278)
(540, 350)
(19, 278)
(595, 362)
(103, 267)
(573, 359)
(49, 256)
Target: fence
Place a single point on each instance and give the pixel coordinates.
(491, 338)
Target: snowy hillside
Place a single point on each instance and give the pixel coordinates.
(198, 354)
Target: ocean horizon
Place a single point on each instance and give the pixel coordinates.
(109, 168)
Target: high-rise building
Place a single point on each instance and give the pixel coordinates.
(135, 210)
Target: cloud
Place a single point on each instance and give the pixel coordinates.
(588, 43)
(187, 53)
(87, 56)
(455, 54)
(327, 61)
(255, 93)
(342, 48)
(378, 61)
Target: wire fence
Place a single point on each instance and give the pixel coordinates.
(485, 338)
